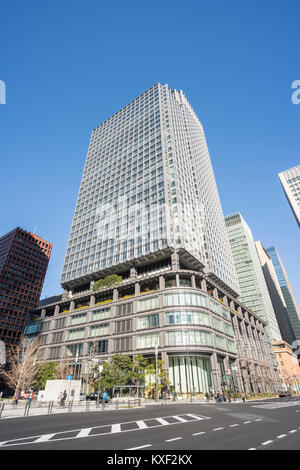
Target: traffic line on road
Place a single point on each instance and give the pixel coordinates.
(174, 439)
(84, 432)
(106, 429)
(140, 447)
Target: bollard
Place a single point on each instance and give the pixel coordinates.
(128, 403)
(1, 408)
(70, 406)
(50, 406)
(103, 404)
(87, 405)
(117, 405)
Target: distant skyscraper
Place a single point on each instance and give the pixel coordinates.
(290, 180)
(254, 291)
(287, 291)
(147, 184)
(276, 295)
(24, 260)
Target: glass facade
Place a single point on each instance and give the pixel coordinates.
(188, 373)
(146, 184)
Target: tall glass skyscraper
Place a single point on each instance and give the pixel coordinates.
(147, 184)
(254, 291)
(287, 291)
(290, 180)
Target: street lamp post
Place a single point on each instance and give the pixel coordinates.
(156, 373)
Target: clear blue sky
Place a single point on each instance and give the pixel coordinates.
(69, 65)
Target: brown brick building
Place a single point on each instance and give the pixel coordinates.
(24, 259)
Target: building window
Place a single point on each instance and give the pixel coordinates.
(188, 337)
(149, 321)
(123, 344)
(149, 340)
(99, 330)
(125, 309)
(147, 304)
(79, 333)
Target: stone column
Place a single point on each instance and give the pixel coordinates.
(175, 262)
(162, 283)
(215, 373)
(56, 310)
(92, 301)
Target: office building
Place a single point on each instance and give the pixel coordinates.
(148, 210)
(287, 291)
(278, 301)
(288, 366)
(24, 259)
(206, 338)
(147, 185)
(290, 181)
(254, 291)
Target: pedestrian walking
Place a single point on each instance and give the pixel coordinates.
(63, 400)
(59, 398)
(207, 397)
(17, 397)
(229, 397)
(223, 397)
(30, 398)
(211, 394)
(175, 395)
(243, 397)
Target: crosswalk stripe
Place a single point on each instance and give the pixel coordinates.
(141, 424)
(162, 421)
(116, 428)
(44, 438)
(182, 420)
(84, 432)
(196, 416)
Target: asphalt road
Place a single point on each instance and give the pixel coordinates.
(262, 425)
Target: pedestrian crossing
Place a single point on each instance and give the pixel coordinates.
(277, 404)
(106, 429)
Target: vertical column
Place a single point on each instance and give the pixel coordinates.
(215, 372)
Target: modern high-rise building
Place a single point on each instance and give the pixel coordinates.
(254, 291)
(148, 209)
(147, 185)
(24, 259)
(278, 301)
(290, 180)
(287, 291)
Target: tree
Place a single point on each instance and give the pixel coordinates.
(138, 369)
(107, 281)
(115, 372)
(21, 359)
(44, 371)
(63, 368)
(162, 374)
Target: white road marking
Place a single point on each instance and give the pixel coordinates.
(293, 430)
(252, 448)
(84, 432)
(246, 422)
(116, 428)
(140, 447)
(217, 429)
(198, 433)
(233, 425)
(265, 443)
(182, 420)
(44, 438)
(260, 419)
(162, 421)
(141, 424)
(174, 439)
(281, 436)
